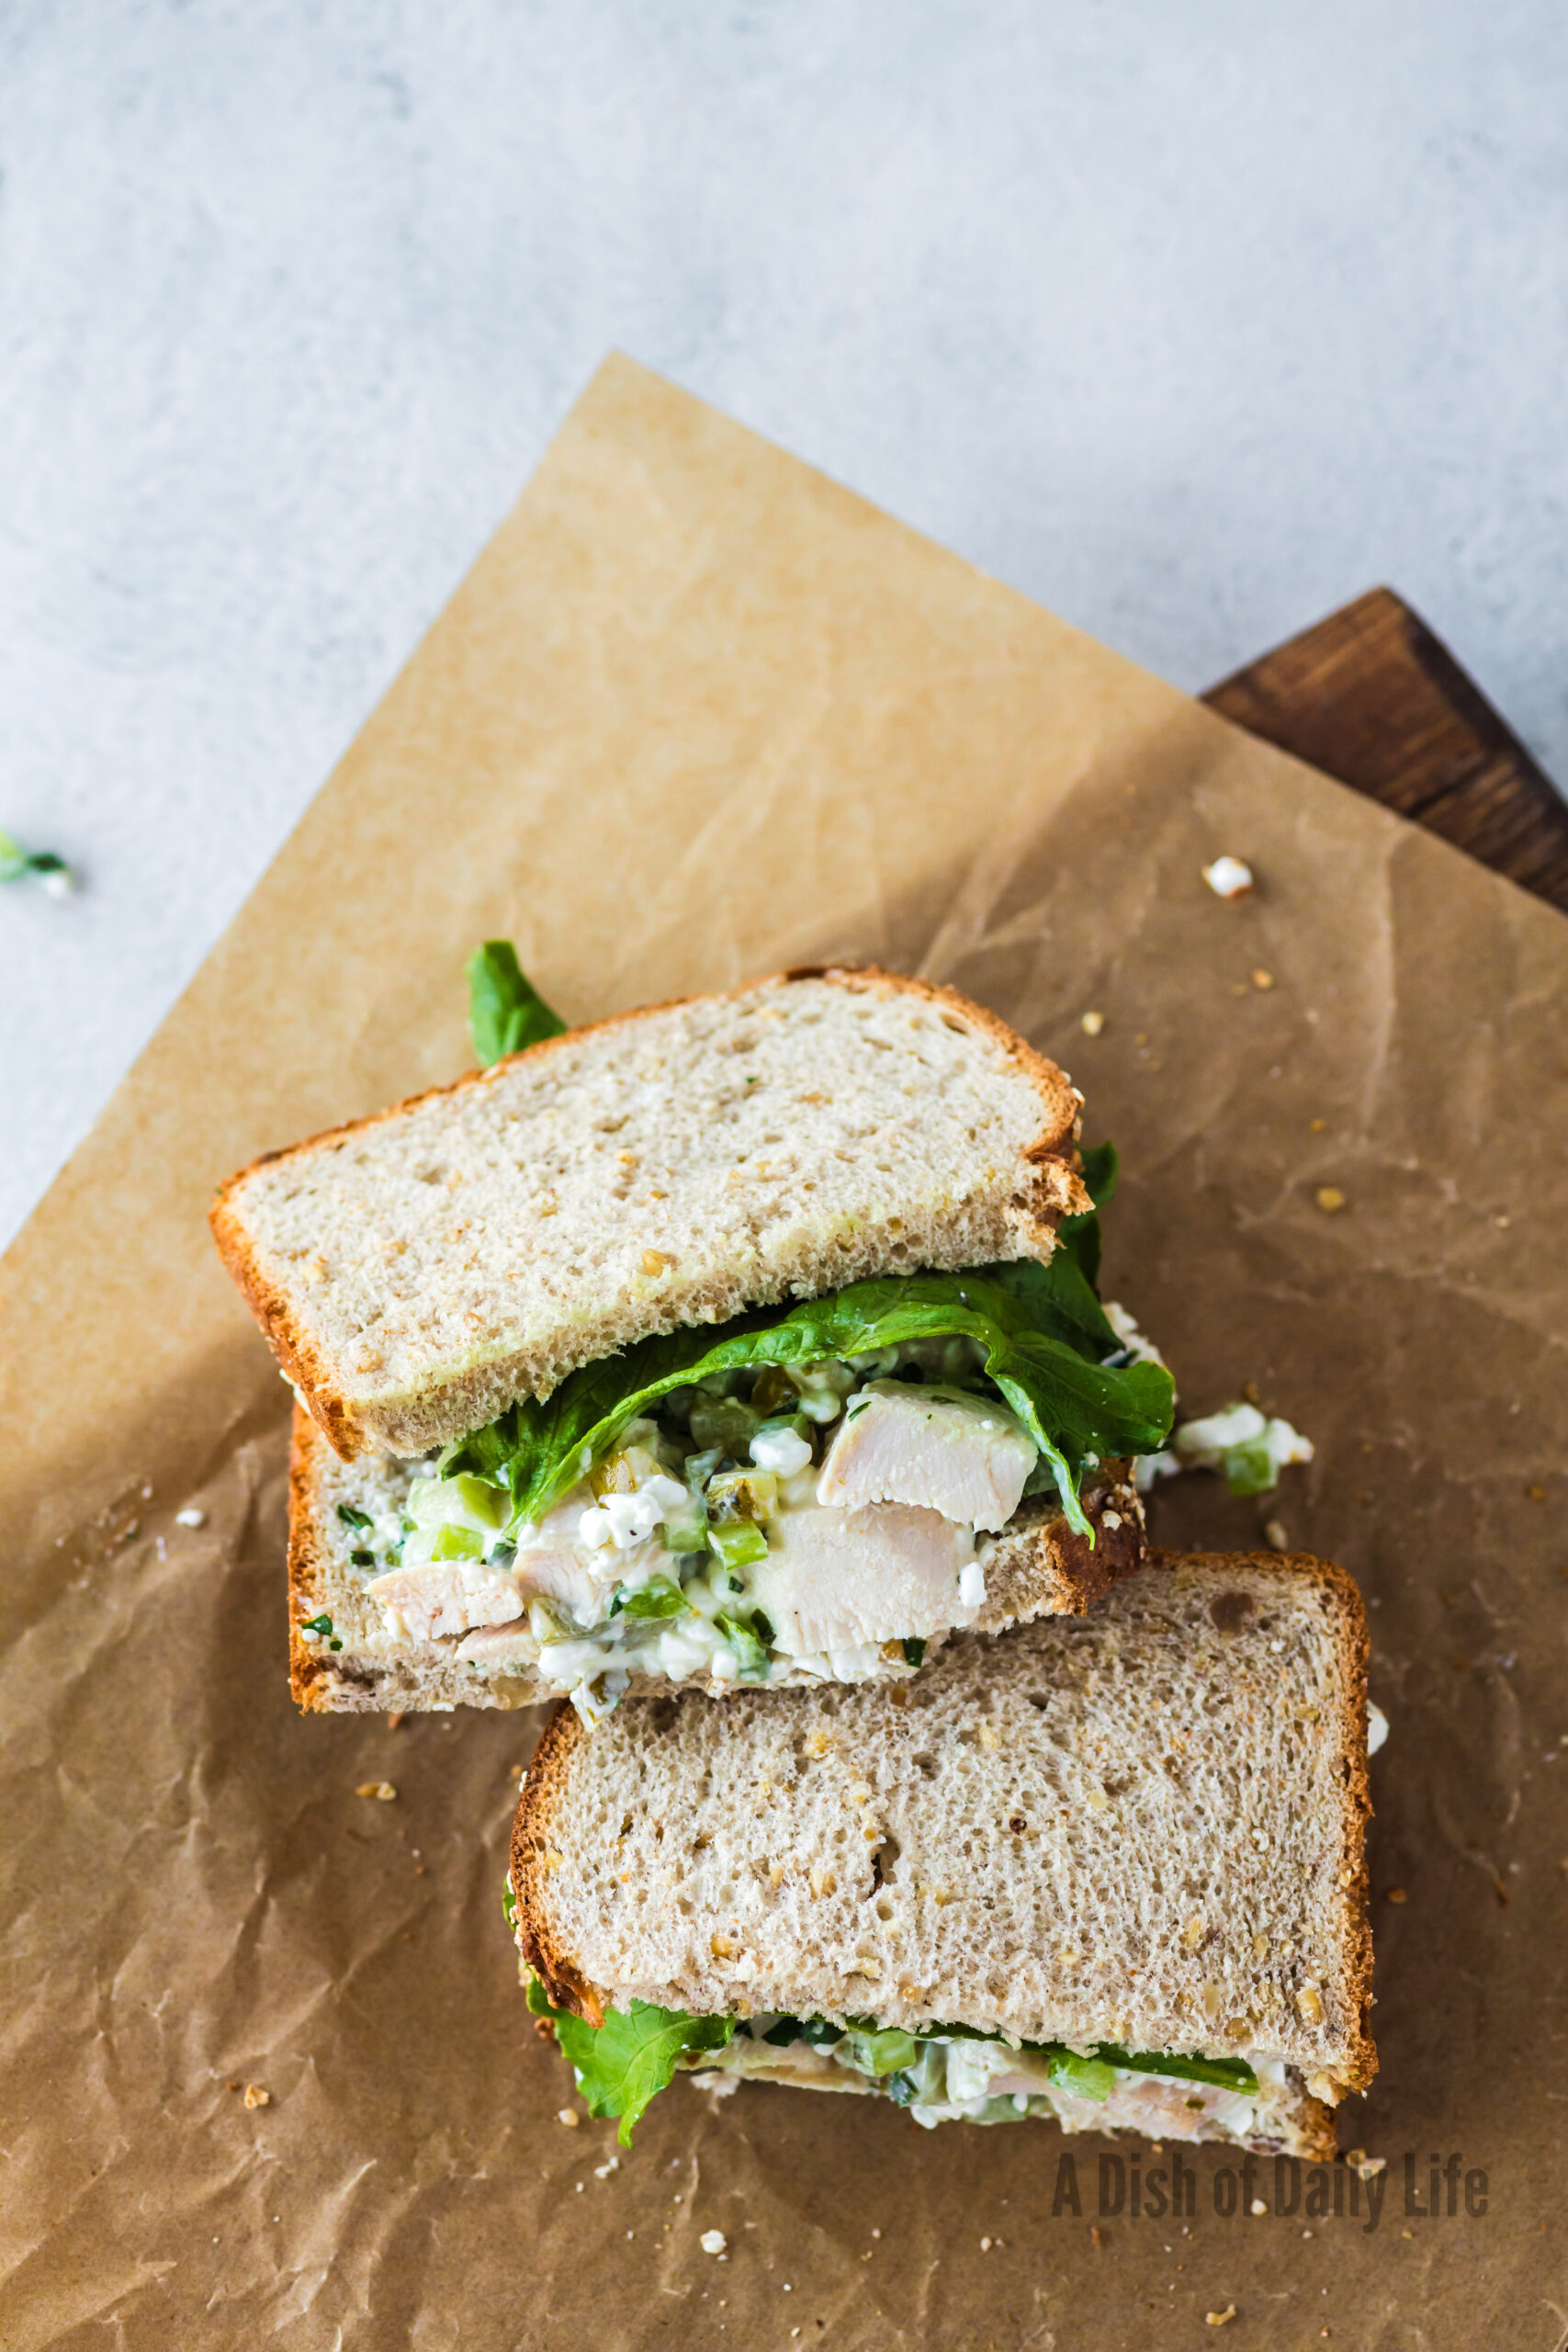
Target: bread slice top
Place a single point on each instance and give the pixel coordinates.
(1143, 1827)
(419, 1271)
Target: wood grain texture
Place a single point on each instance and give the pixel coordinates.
(1372, 697)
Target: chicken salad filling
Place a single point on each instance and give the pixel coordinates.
(940, 2073)
(827, 1519)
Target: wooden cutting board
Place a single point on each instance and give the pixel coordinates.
(1372, 697)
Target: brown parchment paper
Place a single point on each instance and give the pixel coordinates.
(697, 713)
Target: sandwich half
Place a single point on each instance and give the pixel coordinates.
(749, 1340)
(1106, 1870)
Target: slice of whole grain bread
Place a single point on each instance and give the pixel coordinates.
(419, 1271)
(1039, 1565)
(1143, 1827)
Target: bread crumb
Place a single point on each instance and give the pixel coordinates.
(569, 2117)
(1228, 877)
(1274, 1536)
(394, 1719)
(713, 2241)
(1218, 2319)
(1397, 1894)
(382, 1789)
(1262, 980)
(257, 2096)
(190, 1517)
(1093, 1023)
(1330, 1199)
(1317, 1126)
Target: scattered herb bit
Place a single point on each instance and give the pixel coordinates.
(506, 1011)
(509, 1903)
(363, 1559)
(355, 1519)
(914, 1650)
(322, 1625)
(40, 865)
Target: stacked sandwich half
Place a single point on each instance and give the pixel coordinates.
(735, 1371)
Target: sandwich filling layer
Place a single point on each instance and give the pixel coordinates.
(941, 2074)
(796, 1495)
(826, 1520)
(820, 1519)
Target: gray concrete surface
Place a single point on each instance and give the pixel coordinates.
(1190, 322)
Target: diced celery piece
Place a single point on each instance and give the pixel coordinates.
(456, 1543)
(658, 1597)
(491, 1505)
(1249, 1469)
(739, 1542)
(745, 1639)
(887, 2051)
(1084, 2077)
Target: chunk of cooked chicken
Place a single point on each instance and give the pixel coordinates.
(445, 1596)
(943, 1449)
(833, 1578)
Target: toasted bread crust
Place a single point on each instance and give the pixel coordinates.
(532, 1847)
(543, 1794)
(1053, 1189)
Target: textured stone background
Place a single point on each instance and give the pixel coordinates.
(1192, 322)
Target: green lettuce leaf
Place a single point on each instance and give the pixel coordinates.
(505, 1010)
(1039, 1349)
(1228, 2074)
(629, 2058)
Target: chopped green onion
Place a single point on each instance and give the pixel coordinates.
(355, 1519)
(914, 1650)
